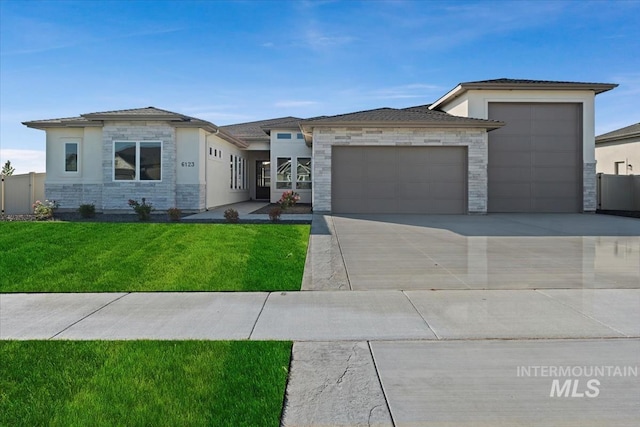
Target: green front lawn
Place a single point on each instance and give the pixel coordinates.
(110, 257)
(142, 383)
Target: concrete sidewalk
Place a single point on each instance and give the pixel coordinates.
(325, 316)
(414, 358)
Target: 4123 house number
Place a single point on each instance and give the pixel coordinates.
(188, 164)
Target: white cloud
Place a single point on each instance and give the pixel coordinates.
(288, 104)
(24, 161)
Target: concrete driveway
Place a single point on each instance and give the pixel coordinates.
(498, 251)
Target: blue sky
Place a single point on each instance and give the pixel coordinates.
(231, 62)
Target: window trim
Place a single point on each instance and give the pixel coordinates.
(291, 176)
(137, 170)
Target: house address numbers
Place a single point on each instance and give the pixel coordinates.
(188, 164)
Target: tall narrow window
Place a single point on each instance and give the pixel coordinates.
(124, 162)
(150, 161)
(71, 157)
(303, 178)
(231, 169)
(283, 173)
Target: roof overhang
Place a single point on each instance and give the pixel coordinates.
(459, 90)
(44, 125)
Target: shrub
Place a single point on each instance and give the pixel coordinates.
(289, 198)
(174, 214)
(44, 210)
(231, 215)
(87, 210)
(143, 209)
(274, 214)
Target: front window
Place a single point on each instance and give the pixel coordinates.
(303, 179)
(137, 161)
(283, 174)
(71, 157)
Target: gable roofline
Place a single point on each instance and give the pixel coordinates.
(627, 132)
(176, 120)
(519, 84)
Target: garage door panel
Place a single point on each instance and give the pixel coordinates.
(446, 190)
(410, 190)
(514, 158)
(535, 161)
(510, 174)
(444, 173)
(511, 204)
(561, 158)
(508, 143)
(553, 144)
(554, 174)
(510, 189)
(549, 112)
(380, 172)
(553, 128)
(349, 190)
(551, 190)
(399, 180)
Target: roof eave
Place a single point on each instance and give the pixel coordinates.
(48, 125)
(600, 140)
(308, 127)
(459, 90)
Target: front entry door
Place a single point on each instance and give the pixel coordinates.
(263, 179)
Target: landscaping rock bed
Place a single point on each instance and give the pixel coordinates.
(300, 208)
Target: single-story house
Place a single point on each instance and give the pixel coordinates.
(500, 145)
(618, 152)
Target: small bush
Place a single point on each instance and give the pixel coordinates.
(44, 210)
(87, 210)
(289, 198)
(174, 214)
(231, 215)
(143, 209)
(274, 214)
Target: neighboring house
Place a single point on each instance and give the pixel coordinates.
(490, 146)
(618, 152)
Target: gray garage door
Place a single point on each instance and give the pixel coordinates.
(399, 180)
(535, 160)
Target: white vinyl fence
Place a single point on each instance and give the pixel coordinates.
(18, 193)
(618, 192)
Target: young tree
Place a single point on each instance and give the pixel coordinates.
(7, 169)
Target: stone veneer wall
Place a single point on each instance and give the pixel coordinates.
(162, 194)
(475, 139)
(191, 197)
(589, 187)
(71, 196)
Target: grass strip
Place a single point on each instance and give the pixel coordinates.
(142, 383)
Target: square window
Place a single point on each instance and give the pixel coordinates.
(137, 161)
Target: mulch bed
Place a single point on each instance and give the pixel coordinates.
(299, 208)
(75, 217)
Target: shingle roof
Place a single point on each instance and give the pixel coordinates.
(519, 84)
(254, 130)
(622, 133)
(147, 113)
(507, 81)
(411, 115)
